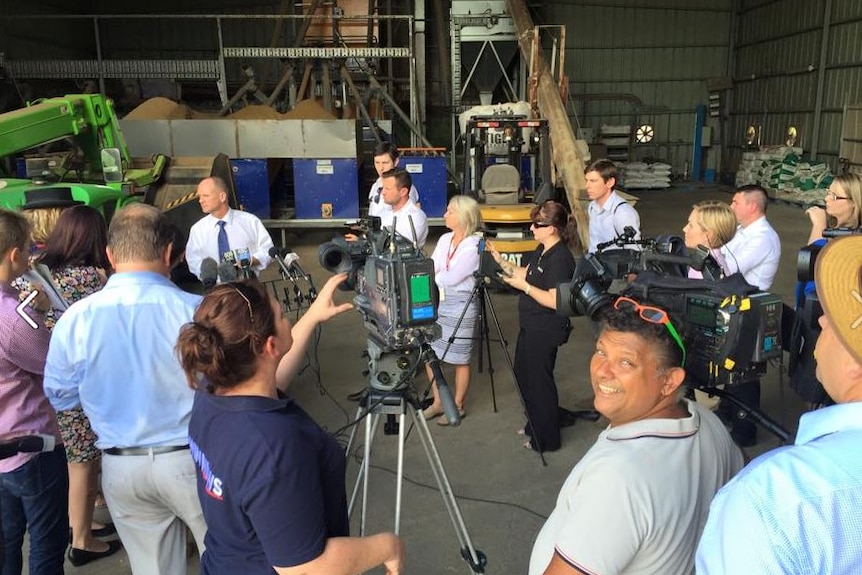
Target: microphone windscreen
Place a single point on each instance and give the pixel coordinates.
(274, 252)
(209, 273)
(226, 272)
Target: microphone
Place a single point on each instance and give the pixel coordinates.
(209, 273)
(226, 272)
(275, 254)
(37, 443)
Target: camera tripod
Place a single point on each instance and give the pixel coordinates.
(396, 404)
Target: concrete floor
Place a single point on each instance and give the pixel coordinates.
(504, 492)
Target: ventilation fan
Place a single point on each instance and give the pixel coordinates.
(644, 134)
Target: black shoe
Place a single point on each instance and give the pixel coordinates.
(356, 395)
(79, 557)
(108, 529)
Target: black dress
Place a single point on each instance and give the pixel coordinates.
(542, 332)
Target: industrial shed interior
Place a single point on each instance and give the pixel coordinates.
(690, 98)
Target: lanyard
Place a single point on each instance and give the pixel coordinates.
(453, 247)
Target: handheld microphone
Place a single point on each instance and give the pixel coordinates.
(275, 254)
(226, 271)
(36, 443)
(209, 273)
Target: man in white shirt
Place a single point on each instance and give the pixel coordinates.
(755, 249)
(609, 214)
(224, 229)
(754, 252)
(403, 210)
(386, 156)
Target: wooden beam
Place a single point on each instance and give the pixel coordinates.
(568, 162)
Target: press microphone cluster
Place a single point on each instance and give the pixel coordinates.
(37, 443)
(213, 272)
(288, 263)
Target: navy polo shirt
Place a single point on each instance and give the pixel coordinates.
(270, 482)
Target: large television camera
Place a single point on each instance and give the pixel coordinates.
(394, 283)
(730, 328)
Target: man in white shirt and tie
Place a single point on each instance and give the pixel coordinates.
(224, 229)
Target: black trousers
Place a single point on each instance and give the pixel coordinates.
(535, 356)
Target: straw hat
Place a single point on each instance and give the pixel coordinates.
(838, 276)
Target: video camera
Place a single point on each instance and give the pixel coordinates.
(805, 327)
(807, 256)
(730, 328)
(394, 282)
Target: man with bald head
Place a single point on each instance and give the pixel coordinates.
(224, 229)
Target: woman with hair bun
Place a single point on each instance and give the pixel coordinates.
(271, 481)
(542, 330)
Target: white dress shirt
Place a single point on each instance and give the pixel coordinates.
(376, 205)
(244, 230)
(754, 252)
(402, 225)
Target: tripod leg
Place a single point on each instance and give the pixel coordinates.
(475, 558)
(371, 422)
(400, 470)
(511, 367)
(484, 337)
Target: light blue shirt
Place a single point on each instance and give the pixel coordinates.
(112, 353)
(796, 509)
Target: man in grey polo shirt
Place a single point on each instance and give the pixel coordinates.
(637, 502)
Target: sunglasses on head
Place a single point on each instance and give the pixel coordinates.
(651, 314)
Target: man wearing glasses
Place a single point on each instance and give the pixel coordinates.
(799, 509)
(638, 500)
(609, 214)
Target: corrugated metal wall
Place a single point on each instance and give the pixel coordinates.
(658, 53)
(778, 69)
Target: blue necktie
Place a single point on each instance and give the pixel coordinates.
(223, 245)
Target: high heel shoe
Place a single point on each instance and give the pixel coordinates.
(79, 557)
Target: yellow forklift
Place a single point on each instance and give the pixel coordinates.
(508, 169)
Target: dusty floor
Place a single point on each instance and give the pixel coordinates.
(504, 492)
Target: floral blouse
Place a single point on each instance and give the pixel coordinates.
(73, 282)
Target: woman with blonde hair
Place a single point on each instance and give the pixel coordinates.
(456, 259)
(843, 204)
(711, 224)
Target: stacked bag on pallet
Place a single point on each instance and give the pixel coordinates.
(640, 175)
(782, 168)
